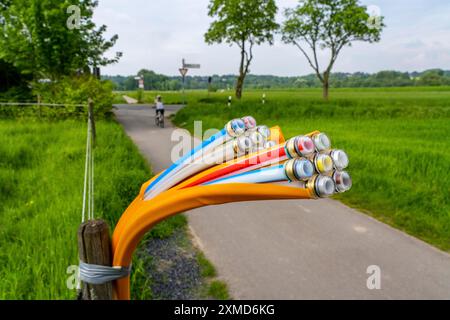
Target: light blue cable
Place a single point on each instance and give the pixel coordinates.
(260, 172)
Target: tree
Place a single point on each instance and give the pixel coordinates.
(328, 24)
(152, 80)
(245, 23)
(37, 40)
(432, 78)
(392, 79)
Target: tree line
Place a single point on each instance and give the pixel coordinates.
(154, 81)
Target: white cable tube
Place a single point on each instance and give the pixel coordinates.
(321, 141)
(340, 159)
(227, 151)
(321, 186)
(342, 180)
(239, 146)
(265, 175)
(264, 131)
(258, 141)
(259, 137)
(292, 170)
(233, 128)
(258, 166)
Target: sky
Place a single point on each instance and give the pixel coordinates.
(157, 34)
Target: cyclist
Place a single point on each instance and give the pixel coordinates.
(159, 107)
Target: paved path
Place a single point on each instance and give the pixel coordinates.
(299, 249)
(130, 100)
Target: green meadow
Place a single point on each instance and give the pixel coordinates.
(397, 139)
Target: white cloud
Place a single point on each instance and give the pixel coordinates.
(157, 34)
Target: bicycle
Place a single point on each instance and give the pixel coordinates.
(159, 118)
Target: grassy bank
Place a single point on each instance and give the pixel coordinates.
(41, 179)
(397, 139)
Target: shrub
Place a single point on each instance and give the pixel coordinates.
(18, 93)
(77, 90)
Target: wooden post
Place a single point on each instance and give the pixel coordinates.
(91, 116)
(94, 247)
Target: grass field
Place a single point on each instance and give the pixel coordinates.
(391, 98)
(41, 166)
(397, 139)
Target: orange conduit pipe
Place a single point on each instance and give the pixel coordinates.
(148, 213)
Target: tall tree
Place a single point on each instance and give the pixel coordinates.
(37, 39)
(328, 24)
(245, 23)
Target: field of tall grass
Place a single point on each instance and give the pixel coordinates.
(397, 139)
(41, 181)
(424, 96)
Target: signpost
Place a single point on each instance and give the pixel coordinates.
(183, 71)
(190, 65)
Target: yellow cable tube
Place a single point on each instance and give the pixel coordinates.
(149, 213)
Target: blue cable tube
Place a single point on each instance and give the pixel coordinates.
(237, 147)
(188, 156)
(232, 129)
(292, 170)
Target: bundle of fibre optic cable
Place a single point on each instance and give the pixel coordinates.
(242, 162)
(244, 152)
